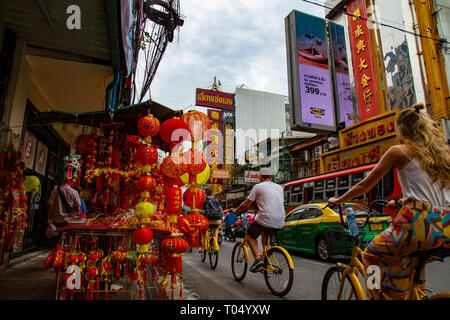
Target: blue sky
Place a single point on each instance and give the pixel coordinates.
(241, 42)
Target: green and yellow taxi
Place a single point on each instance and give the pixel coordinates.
(315, 228)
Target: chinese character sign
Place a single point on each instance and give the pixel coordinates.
(363, 62)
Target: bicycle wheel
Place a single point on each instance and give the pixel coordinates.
(213, 254)
(277, 273)
(331, 283)
(238, 262)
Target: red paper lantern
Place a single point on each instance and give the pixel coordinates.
(173, 196)
(173, 248)
(196, 162)
(168, 128)
(198, 123)
(174, 166)
(188, 198)
(146, 183)
(147, 155)
(142, 236)
(148, 126)
(192, 225)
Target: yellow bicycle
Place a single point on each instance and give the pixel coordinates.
(278, 267)
(341, 282)
(210, 246)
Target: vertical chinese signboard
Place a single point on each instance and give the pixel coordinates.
(363, 61)
(214, 150)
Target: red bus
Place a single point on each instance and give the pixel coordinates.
(325, 186)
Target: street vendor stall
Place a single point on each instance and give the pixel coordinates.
(133, 192)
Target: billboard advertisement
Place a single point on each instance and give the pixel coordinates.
(310, 85)
(214, 99)
(342, 78)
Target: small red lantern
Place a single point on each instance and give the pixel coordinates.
(188, 198)
(172, 130)
(198, 123)
(196, 162)
(148, 126)
(174, 166)
(142, 236)
(174, 204)
(146, 183)
(147, 155)
(173, 249)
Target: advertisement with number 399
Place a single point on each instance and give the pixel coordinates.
(315, 88)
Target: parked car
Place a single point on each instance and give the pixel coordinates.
(312, 228)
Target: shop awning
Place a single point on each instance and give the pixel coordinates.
(128, 115)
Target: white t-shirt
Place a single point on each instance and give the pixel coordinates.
(270, 200)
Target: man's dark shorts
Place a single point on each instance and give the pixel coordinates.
(255, 230)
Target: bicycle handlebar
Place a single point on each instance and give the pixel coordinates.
(340, 206)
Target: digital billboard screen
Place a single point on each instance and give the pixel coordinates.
(310, 85)
(341, 73)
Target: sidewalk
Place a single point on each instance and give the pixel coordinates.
(29, 280)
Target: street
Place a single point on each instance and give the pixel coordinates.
(206, 284)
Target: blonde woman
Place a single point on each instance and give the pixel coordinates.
(422, 160)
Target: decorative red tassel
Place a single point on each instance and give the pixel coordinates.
(140, 292)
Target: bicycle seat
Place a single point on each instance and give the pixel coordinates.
(438, 252)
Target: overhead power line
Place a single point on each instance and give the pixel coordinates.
(379, 23)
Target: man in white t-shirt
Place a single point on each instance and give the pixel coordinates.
(270, 201)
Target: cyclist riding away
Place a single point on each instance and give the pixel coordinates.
(213, 211)
(422, 161)
(270, 201)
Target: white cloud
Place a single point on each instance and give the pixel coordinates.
(239, 41)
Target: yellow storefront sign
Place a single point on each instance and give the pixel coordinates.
(363, 143)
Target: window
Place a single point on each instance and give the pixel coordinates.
(294, 215)
(311, 213)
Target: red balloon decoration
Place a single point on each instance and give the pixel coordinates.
(174, 166)
(196, 161)
(148, 126)
(169, 126)
(198, 123)
(147, 155)
(188, 198)
(142, 236)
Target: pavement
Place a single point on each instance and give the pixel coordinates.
(27, 279)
